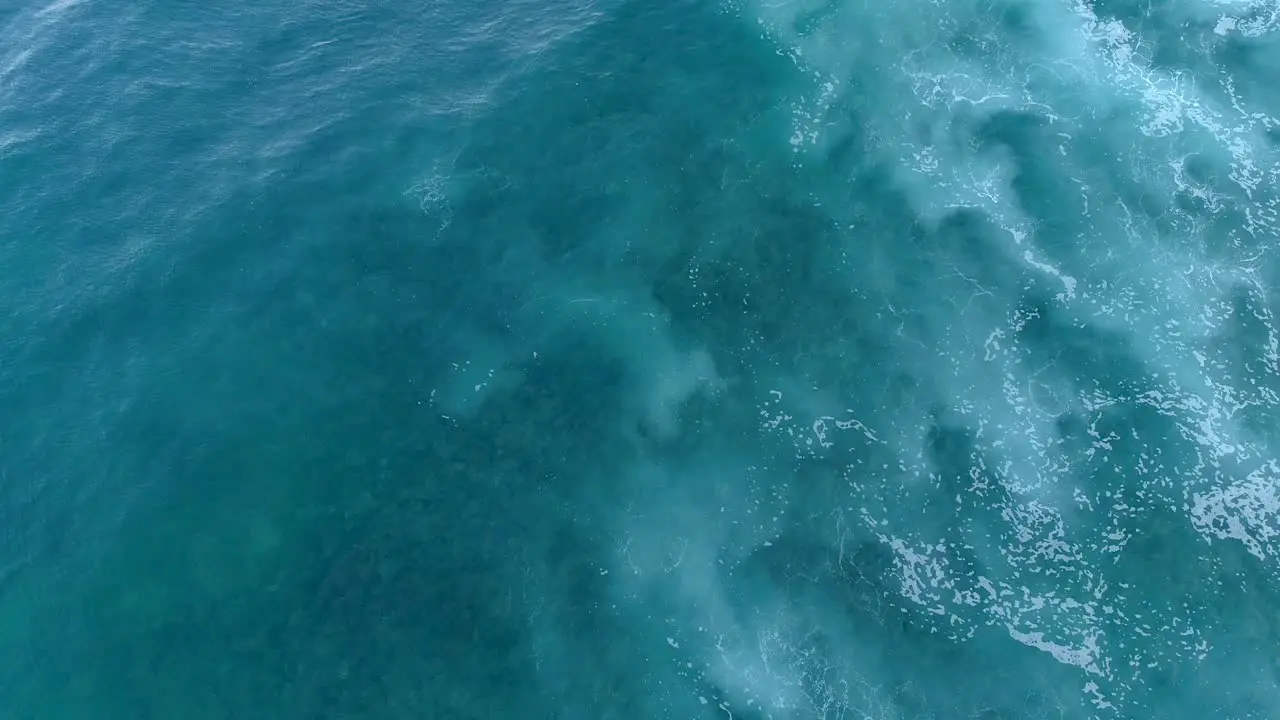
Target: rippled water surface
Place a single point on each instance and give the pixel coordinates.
(748, 359)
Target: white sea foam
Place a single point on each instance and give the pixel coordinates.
(1140, 270)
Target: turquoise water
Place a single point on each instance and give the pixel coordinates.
(741, 359)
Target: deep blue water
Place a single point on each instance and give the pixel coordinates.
(605, 360)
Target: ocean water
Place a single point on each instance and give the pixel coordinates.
(743, 359)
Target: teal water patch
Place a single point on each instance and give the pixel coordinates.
(768, 360)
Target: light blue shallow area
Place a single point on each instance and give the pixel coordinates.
(752, 360)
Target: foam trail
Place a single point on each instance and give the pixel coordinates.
(1133, 267)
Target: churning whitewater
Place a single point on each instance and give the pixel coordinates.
(1075, 412)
